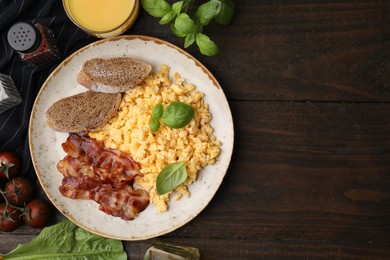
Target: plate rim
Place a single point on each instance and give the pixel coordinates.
(68, 59)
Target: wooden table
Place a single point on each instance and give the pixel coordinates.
(308, 83)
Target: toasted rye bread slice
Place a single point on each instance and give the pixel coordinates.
(83, 112)
(112, 75)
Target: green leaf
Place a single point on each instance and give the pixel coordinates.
(177, 114)
(226, 14)
(168, 17)
(176, 7)
(157, 111)
(189, 40)
(67, 241)
(170, 177)
(156, 8)
(154, 125)
(184, 24)
(206, 45)
(176, 32)
(207, 11)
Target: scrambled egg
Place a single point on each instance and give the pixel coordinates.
(129, 132)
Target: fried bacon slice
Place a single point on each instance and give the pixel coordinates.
(93, 172)
(121, 201)
(87, 156)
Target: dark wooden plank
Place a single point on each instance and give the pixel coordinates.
(332, 187)
(211, 248)
(10, 241)
(263, 249)
(306, 180)
(300, 50)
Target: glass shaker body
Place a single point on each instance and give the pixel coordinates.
(9, 95)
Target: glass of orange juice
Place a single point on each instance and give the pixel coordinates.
(102, 18)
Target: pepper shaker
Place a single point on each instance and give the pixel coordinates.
(34, 42)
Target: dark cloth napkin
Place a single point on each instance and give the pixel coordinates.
(28, 80)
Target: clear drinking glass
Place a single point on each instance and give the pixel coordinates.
(102, 18)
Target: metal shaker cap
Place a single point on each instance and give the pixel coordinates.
(23, 37)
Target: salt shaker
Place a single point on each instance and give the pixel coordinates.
(9, 95)
(34, 42)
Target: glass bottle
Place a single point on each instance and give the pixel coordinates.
(35, 43)
(162, 251)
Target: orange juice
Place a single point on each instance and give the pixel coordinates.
(102, 18)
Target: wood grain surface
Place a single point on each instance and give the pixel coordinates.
(308, 83)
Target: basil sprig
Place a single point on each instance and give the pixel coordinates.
(157, 111)
(170, 177)
(176, 115)
(187, 20)
(154, 125)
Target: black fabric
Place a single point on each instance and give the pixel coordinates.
(28, 80)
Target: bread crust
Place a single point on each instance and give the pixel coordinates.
(83, 112)
(112, 75)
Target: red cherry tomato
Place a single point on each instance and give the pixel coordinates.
(9, 218)
(2, 184)
(10, 165)
(37, 213)
(18, 191)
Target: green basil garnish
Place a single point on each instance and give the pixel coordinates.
(157, 111)
(154, 125)
(170, 177)
(177, 114)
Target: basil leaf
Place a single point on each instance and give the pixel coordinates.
(206, 45)
(67, 241)
(154, 125)
(168, 17)
(157, 111)
(177, 114)
(226, 14)
(176, 32)
(184, 24)
(190, 39)
(176, 7)
(170, 177)
(207, 11)
(156, 8)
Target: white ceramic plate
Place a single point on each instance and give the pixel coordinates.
(46, 150)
